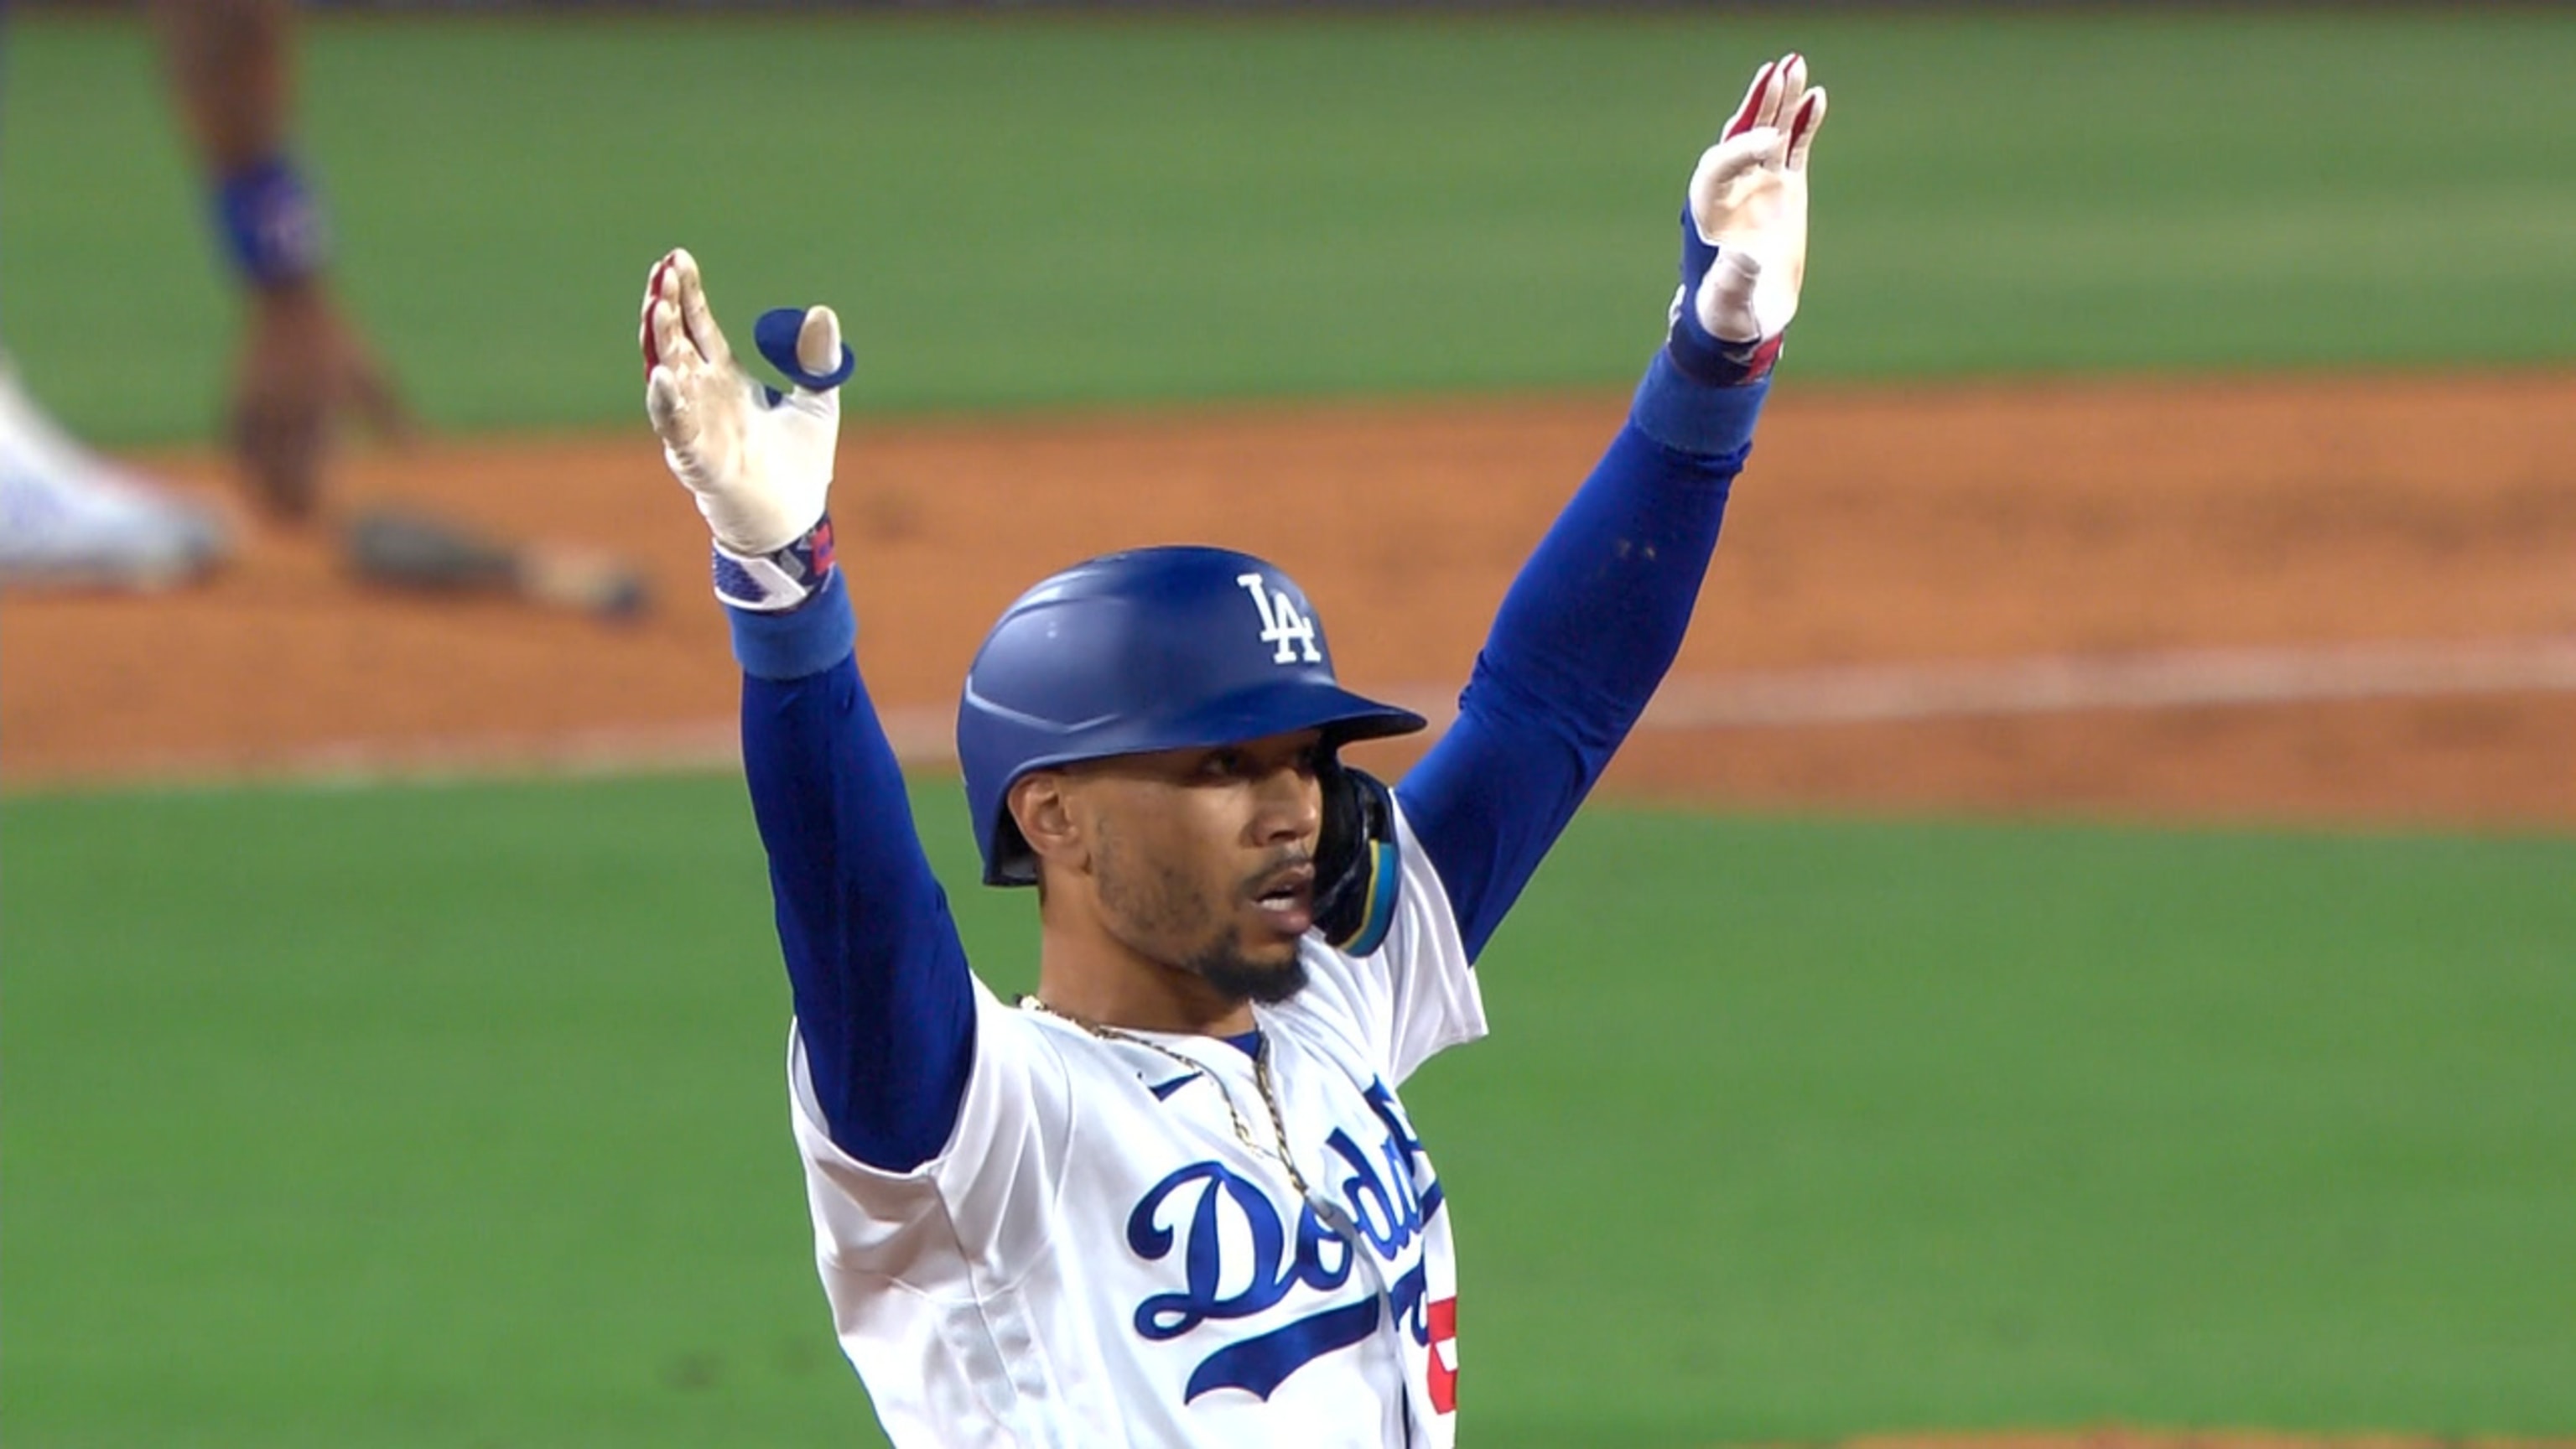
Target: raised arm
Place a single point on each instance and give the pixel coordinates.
(1597, 615)
(884, 1006)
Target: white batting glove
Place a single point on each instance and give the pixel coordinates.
(1744, 232)
(758, 461)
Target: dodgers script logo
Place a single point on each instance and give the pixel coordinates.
(1240, 1259)
(1281, 623)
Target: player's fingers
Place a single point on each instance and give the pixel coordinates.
(672, 347)
(1746, 115)
(1765, 103)
(1802, 127)
(1792, 89)
(695, 311)
(644, 338)
(665, 344)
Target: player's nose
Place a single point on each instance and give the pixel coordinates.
(1289, 807)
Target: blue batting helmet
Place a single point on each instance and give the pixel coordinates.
(1153, 649)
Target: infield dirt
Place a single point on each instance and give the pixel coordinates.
(2032, 532)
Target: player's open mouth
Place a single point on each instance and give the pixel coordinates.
(1287, 899)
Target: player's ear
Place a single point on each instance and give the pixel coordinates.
(1043, 809)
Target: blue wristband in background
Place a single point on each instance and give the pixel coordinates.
(272, 225)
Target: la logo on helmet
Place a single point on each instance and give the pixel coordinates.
(1281, 624)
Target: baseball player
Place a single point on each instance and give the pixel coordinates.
(1174, 1197)
(69, 516)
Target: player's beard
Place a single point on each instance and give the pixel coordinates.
(1155, 908)
(1241, 979)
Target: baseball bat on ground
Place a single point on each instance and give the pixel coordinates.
(410, 550)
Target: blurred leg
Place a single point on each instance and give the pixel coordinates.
(69, 517)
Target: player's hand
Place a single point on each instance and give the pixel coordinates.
(759, 462)
(302, 369)
(1744, 231)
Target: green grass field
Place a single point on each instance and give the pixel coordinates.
(436, 1116)
(451, 1115)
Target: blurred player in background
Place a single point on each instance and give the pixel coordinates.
(67, 515)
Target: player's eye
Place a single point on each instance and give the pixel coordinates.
(1221, 765)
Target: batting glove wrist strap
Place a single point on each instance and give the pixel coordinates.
(1744, 233)
(777, 581)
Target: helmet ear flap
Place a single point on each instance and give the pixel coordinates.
(1356, 864)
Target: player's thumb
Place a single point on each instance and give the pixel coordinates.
(1726, 309)
(804, 344)
(818, 341)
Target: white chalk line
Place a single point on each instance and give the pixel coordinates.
(2063, 683)
(923, 735)
(2029, 685)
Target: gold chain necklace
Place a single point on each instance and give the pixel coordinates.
(1260, 1075)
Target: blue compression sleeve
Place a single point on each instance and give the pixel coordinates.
(883, 1000)
(1583, 638)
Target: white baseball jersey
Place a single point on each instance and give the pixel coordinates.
(1098, 1256)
